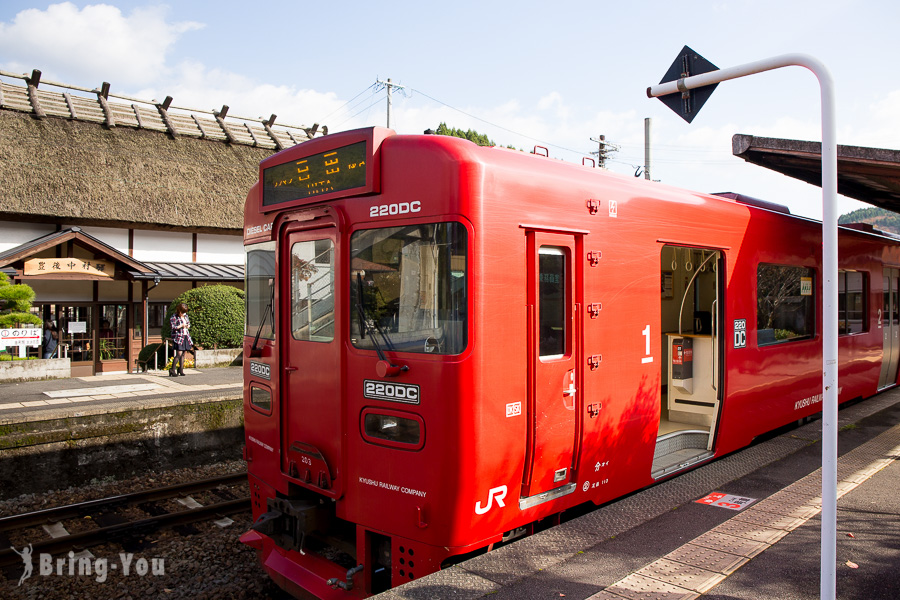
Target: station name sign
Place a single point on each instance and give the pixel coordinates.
(68, 266)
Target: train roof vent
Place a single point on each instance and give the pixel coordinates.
(869, 228)
(751, 201)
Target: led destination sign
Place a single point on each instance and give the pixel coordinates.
(334, 170)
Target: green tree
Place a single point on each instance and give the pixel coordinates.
(471, 135)
(15, 300)
(880, 218)
(216, 313)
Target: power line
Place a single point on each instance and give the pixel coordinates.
(362, 110)
(346, 103)
(579, 152)
(626, 160)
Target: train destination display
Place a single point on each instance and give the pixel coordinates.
(335, 170)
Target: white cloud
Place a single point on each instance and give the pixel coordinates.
(96, 43)
(554, 101)
(193, 86)
(883, 130)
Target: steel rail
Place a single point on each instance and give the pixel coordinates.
(80, 509)
(102, 535)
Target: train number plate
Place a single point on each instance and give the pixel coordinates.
(260, 370)
(392, 392)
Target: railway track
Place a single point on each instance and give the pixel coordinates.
(106, 512)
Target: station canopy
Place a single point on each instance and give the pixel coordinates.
(871, 175)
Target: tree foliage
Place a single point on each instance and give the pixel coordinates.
(879, 218)
(216, 313)
(471, 135)
(15, 300)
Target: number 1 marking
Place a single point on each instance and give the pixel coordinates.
(648, 358)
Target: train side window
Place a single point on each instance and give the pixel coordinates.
(258, 283)
(852, 302)
(261, 399)
(785, 303)
(312, 290)
(552, 279)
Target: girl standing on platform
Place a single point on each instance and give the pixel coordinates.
(181, 336)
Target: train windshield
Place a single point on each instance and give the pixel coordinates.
(408, 288)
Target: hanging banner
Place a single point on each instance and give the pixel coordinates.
(68, 266)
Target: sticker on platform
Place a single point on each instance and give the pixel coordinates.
(728, 501)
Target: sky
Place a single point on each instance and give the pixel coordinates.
(552, 74)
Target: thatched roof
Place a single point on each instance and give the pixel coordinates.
(82, 160)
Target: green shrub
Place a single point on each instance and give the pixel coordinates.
(216, 313)
(5, 357)
(18, 299)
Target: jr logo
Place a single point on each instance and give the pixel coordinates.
(499, 493)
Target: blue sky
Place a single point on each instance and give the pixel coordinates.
(524, 73)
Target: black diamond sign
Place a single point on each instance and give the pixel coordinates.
(688, 103)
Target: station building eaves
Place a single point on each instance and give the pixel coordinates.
(871, 175)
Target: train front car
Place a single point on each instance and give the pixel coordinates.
(426, 325)
(358, 360)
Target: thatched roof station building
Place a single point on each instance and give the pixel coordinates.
(113, 206)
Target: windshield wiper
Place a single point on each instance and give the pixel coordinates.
(384, 368)
(254, 351)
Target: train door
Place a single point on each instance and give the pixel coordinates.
(889, 322)
(311, 388)
(554, 376)
(692, 300)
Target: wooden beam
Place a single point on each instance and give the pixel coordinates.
(268, 126)
(71, 106)
(137, 116)
(203, 134)
(163, 112)
(107, 113)
(33, 83)
(252, 135)
(220, 119)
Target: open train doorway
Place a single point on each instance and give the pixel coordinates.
(692, 289)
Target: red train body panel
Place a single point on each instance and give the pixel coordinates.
(449, 343)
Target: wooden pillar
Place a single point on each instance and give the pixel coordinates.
(145, 307)
(130, 357)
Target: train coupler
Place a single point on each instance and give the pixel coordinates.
(288, 521)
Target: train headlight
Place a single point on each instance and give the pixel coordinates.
(396, 429)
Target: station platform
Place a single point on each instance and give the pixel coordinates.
(66, 432)
(78, 396)
(663, 544)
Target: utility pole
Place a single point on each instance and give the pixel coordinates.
(647, 149)
(604, 149)
(389, 87)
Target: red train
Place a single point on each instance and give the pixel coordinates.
(448, 344)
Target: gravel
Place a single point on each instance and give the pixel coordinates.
(204, 562)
